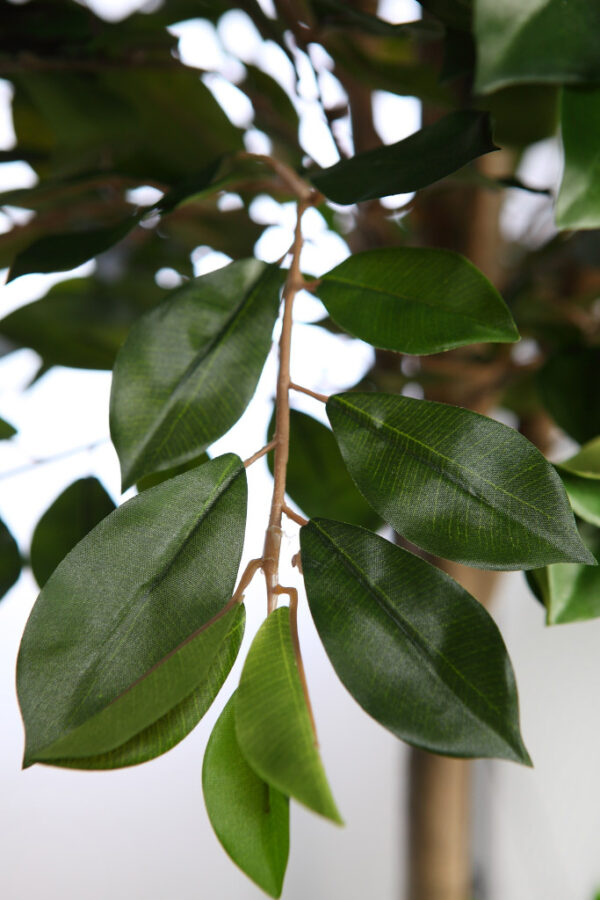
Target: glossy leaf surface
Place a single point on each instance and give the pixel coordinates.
(578, 203)
(273, 723)
(117, 639)
(250, 817)
(317, 479)
(190, 367)
(568, 389)
(415, 300)
(458, 484)
(418, 652)
(417, 161)
(536, 40)
(10, 560)
(72, 515)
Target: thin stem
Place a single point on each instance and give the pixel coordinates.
(294, 516)
(27, 467)
(262, 452)
(293, 595)
(249, 572)
(301, 189)
(304, 390)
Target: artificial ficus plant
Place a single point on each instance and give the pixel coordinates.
(137, 628)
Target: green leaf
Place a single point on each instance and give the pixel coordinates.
(251, 818)
(10, 560)
(273, 723)
(72, 515)
(586, 462)
(455, 13)
(158, 477)
(190, 367)
(60, 252)
(317, 479)
(119, 636)
(578, 203)
(418, 652)
(571, 593)
(415, 300)
(536, 41)
(189, 187)
(458, 484)
(6, 430)
(584, 496)
(417, 161)
(568, 389)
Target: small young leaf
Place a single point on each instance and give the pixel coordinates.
(10, 560)
(578, 202)
(6, 430)
(60, 252)
(118, 637)
(415, 300)
(568, 389)
(456, 483)
(250, 817)
(189, 368)
(273, 723)
(585, 463)
(417, 161)
(72, 515)
(571, 593)
(418, 652)
(584, 496)
(317, 479)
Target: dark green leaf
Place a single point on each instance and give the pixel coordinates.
(272, 721)
(121, 635)
(72, 515)
(191, 186)
(568, 386)
(10, 560)
(317, 479)
(60, 252)
(250, 817)
(6, 430)
(190, 367)
(415, 300)
(571, 593)
(418, 652)
(455, 13)
(523, 113)
(419, 160)
(458, 484)
(536, 40)
(158, 477)
(578, 203)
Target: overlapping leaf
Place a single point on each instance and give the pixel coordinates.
(458, 484)
(119, 658)
(249, 816)
(272, 721)
(416, 651)
(570, 593)
(578, 203)
(10, 560)
(415, 300)
(581, 477)
(72, 515)
(417, 161)
(189, 368)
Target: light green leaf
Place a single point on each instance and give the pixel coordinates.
(578, 203)
(584, 496)
(418, 652)
(250, 817)
(571, 593)
(6, 430)
(189, 368)
(417, 161)
(536, 41)
(415, 300)
(273, 723)
(72, 515)
(458, 484)
(586, 462)
(317, 479)
(119, 637)
(10, 560)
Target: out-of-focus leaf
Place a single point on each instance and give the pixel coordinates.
(586, 462)
(72, 515)
(6, 430)
(417, 161)
(536, 40)
(161, 568)
(189, 187)
(568, 386)
(416, 651)
(60, 252)
(274, 113)
(250, 817)
(571, 593)
(10, 560)
(317, 479)
(415, 300)
(578, 203)
(272, 721)
(523, 113)
(456, 483)
(338, 14)
(190, 367)
(455, 13)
